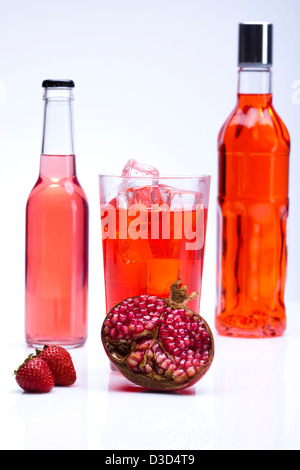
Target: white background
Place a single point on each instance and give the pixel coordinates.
(155, 81)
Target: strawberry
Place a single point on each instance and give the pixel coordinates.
(60, 363)
(34, 375)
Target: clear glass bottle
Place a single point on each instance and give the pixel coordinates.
(253, 201)
(56, 278)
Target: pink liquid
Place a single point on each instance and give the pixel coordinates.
(56, 256)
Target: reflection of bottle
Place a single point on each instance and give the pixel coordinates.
(57, 232)
(253, 199)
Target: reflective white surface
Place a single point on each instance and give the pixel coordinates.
(249, 399)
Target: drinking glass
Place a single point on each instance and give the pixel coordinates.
(153, 233)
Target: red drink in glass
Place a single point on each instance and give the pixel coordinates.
(150, 266)
(148, 248)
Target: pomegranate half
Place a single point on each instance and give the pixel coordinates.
(157, 343)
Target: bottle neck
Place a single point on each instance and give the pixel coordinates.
(57, 156)
(58, 122)
(255, 81)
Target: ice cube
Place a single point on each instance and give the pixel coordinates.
(125, 198)
(134, 168)
(179, 199)
(147, 195)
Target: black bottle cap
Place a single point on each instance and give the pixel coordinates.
(58, 84)
(255, 44)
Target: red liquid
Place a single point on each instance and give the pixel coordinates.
(56, 256)
(134, 267)
(252, 215)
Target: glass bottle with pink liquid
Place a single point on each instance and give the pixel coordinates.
(56, 276)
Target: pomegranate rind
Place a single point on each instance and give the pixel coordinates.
(158, 344)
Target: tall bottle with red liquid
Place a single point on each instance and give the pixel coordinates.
(253, 201)
(57, 232)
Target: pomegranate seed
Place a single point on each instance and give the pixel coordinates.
(143, 346)
(123, 309)
(166, 364)
(150, 354)
(190, 371)
(177, 359)
(172, 367)
(150, 307)
(139, 328)
(134, 359)
(171, 346)
(160, 358)
(147, 369)
(159, 308)
(106, 330)
(179, 375)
